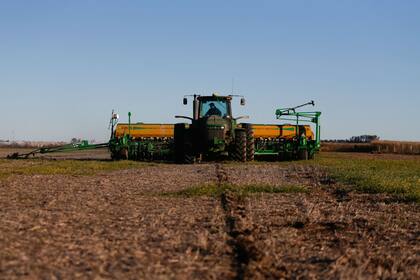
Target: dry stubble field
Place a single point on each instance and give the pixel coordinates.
(92, 218)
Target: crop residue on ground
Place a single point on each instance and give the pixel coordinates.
(211, 221)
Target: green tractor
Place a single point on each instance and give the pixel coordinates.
(213, 132)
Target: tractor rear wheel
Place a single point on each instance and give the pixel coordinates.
(188, 157)
(239, 153)
(250, 142)
(179, 132)
(183, 145)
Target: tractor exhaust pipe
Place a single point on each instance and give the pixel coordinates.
(195, 107)
(196, 104)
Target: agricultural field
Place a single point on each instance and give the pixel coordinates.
(80, 215)
(386, 147)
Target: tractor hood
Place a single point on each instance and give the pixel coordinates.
(216, 122)
(215, 130)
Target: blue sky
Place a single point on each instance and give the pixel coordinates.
(64, 65)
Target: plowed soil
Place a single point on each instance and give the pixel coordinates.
(123, 225)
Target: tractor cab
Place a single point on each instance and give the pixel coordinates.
(214, 106)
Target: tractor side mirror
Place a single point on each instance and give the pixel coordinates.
(185, 101)
(242, 101)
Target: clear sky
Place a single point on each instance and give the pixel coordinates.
(64, 65)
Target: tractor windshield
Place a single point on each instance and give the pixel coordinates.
(213, 108)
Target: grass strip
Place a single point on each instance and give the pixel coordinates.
(399, 177)
(62, 167)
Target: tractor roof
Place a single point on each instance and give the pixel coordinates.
(215, 97)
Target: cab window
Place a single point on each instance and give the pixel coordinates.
(213, 108)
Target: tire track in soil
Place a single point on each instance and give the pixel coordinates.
(240, 229)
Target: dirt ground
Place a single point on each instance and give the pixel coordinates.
(123, 225)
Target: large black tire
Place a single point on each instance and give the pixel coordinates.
(183, 144)
(239, 152)
(188, 158)
(250, 142)
(179, 132)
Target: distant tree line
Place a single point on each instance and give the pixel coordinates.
(355, 139)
